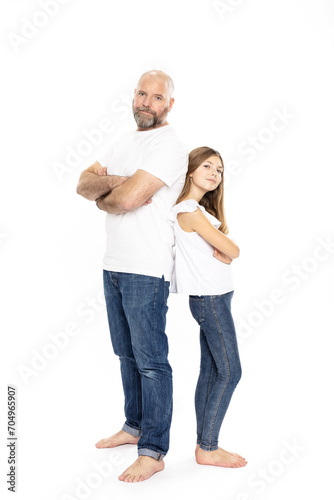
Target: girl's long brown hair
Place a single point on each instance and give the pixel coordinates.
(212, 201)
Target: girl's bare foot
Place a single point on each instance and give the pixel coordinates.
(219, 458)
(229, 452)
(143, 468)
(118, 439)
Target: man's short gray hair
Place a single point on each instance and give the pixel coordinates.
(156, 73)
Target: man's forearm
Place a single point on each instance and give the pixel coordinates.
(112, 203)
(92, 186)
(136, 192)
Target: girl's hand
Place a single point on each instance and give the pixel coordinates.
(222, 257)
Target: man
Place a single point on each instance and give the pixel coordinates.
(136, 182)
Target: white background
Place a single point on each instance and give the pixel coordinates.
(234, 68)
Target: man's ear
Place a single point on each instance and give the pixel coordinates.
(171, 103)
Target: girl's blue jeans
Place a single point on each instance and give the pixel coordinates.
(220, 369)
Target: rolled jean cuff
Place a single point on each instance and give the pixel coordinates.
(208, 448)
(131, 430)
(150, 453)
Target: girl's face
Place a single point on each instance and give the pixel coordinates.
(208, 175)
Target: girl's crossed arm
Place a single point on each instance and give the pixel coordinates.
(196, 221)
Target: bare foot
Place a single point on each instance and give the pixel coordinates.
(118, 439)
(225, 451)
(143, 468)
(220, 458)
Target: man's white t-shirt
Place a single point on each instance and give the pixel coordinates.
(197, 271)
(141, 241)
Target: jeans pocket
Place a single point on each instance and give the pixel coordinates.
(197, 308)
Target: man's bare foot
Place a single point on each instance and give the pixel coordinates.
(220, 458)
(225, 451)
(143, 468)
(117, 439)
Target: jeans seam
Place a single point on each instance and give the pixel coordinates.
(228, 369)
(207, 395)
(154, 314)
(164, 289)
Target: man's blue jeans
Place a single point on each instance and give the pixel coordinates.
(137, 307)
(220, 369)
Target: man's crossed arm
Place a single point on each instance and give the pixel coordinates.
(117, 194)
(93, 182)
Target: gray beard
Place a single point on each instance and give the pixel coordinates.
(145, 121)
(149, 121)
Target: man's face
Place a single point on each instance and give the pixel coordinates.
(151, 103)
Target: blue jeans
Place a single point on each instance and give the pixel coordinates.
(220, 369)
(137, 307)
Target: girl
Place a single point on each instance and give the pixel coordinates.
(203, 253)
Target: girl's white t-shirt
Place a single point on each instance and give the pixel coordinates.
(196, 271)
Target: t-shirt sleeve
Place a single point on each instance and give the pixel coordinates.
(191, 206)
(167, 160)
(184, 206)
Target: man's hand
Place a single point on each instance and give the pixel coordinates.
(102, 171)
(136, 192)
(118, 180)
(103, 206)
(147, 202)
(94, 182)
(222, 257)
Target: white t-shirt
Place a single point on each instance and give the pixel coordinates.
(196, 271)
(141, 241)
